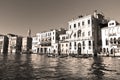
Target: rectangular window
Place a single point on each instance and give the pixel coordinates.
(93, 43)
(89, 43)
(82, 23)
(53, 37)
(88, 33)
(83, 34)
(70, 45)
(62, 45)
(88, 21)
(74, 25)
(75, 45)
(70, 26)
(89, 47)
(66, 45)
(106, 42)
(79, 24)
(83, 43)
(83, 47)
(63, 38)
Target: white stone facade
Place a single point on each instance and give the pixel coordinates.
(111, 39)
(35, 44)
(81, 33)
(48, 42)
(84, 34)
(26, 44)
(3, 44)
(64, 44)
(15, 43)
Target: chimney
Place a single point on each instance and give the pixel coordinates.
(80, 16)
(95, 14)
(29, 33)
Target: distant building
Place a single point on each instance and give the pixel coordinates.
(48, 42)
(111, 39)
(15, 43)
(3, 44)
(26, 44)
(35, 45)
(64, 44)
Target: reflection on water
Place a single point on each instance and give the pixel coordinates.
(97, 68)
(39, 67)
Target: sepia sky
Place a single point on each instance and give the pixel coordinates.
(16, 16)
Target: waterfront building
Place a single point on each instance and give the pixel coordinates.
(83, 36)
(64, 44)
(84, 33)
(48, 42)
(27, 42)
(15, 43)
(111, 39)
(35, 44)
(3, 44)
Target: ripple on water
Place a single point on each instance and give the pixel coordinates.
(37, 67)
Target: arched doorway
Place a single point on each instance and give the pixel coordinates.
(37, 50)
(41, 50)
(112, 51)
(54, 51)
(79, 48)
(45, 49)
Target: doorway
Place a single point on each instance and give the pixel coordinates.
(79, 48)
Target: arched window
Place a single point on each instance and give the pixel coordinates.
(70, 45)
(106, 42)
(115, 40)
(89, 43)
(104, 50)
(119, 40)
(79, 45)
(75, 45)
(74, 35)
(111, 40)
(79, 33)
(107, 50)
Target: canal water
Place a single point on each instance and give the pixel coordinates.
(40, 67)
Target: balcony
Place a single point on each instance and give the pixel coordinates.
(45, 43)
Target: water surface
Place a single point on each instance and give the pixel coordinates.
(40, 67)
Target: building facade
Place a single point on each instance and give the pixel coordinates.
(111, 39)
(15, 43)
(35, 44)
(3, 44)
(48, 42)
(84, 34)
(26, 44)
(64, 44)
